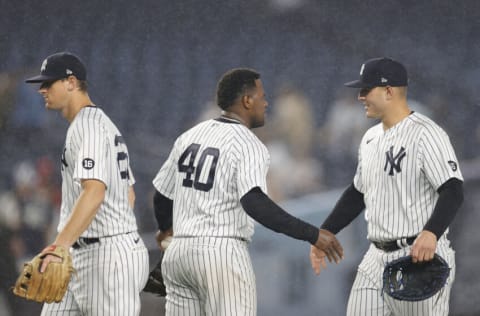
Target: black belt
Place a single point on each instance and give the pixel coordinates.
(84, 241)
(389, 246)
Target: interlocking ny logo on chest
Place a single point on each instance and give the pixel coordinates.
(393, 161)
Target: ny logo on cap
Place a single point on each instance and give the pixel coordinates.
(68, 71)
(361, 69)
(44, 65)
(383, 80)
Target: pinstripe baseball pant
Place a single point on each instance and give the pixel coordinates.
(110, 274)
(367, 298)
(209, 276)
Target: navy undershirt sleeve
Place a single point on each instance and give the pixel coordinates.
(450, 198)
(262, 209)
(163, 208)
(348, 207)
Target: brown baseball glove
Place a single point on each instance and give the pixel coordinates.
(49, 286)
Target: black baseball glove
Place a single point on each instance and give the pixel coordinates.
(407, 281)
(155, 283)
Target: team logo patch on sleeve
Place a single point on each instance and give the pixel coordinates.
(88, 163)
(453, 165)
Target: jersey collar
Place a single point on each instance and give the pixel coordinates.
(225, 119)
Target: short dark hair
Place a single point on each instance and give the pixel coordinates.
(82, 85)
(233, 84)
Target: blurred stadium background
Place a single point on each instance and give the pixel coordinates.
(153, 66)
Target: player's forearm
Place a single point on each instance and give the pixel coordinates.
(131, 197)
(163, 208)
(83, 213)
(348, 207)
(449, 201)
(262, 209)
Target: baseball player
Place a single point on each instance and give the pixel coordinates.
(97, 221)
(410, 185)
(211, 186)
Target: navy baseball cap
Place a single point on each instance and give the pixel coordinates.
(380, 72)
(59, 66)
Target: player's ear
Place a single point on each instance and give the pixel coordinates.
(72, 83)
(246, 101)
(389, 92)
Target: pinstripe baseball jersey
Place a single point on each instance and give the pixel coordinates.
(399, 171)
(210, 167)
(95, 149)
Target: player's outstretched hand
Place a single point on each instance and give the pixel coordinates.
(423, 248)
(317, 259)
(163, 238)
(328, 243)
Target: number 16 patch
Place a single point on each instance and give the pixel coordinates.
(88, 163)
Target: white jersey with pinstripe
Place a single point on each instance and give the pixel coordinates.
(111, 272)
(399, 171)
(95, 149)
(210, 168)
(207, 266)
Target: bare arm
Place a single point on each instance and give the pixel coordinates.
(131, 197)
(84, 211)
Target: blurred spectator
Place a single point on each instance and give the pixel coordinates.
(210, 111)
(28, 114)
(340, 137)
(6, 98)
(10, 245)
(293, 169)
(419, 107)
(49, 188)
(286, 5)
(35, 197)
(25, 218)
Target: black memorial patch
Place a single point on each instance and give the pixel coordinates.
(88, 163)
